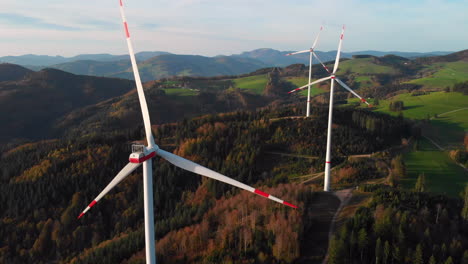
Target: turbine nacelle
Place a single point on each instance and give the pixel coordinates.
(141, 153)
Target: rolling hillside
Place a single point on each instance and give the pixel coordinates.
(12, 72)
(189, 65)
(164, 66)
(31, 105)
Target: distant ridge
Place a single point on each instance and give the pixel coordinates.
(12, 72)
(158, 64)
(45, 60)
(456, 56)
(278, 58)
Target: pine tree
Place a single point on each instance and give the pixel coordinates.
(378, 251)
(464, 212)
(376, 101)
(449, 260)
(420, 183)
(432, 260)
(464, 259)
(336, 254)
(396, 253)
(418, 255)
(363, 241)
(387, 252)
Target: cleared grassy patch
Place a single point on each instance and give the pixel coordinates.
(364, 66)
(420, 107)
(442, 174)
(255, 84)
(364, 81)
(180, 92)
(445, 74)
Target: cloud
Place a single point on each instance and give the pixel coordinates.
(149, 26)
(33, 22)
(100, 24)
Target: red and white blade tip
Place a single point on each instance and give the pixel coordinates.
(297, 89)
(271, 197)
(365, 101)
(87, 208)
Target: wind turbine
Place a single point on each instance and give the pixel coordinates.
(143, 155)
(333, 78)
(312, 52)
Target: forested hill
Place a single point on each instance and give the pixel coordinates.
(45, 185)
(165, 65)
(87, 104)
(12, 72)
(30, 104)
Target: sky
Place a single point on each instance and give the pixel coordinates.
(215, 27)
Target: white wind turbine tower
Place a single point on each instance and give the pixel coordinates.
(333, 78)
(312, 52)
(144, 154)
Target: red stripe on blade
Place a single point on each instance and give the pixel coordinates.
(261, 193)
(363, 100)
(341, 36)
(126, 30)
(327, 162)
(290, 205)
(81, 215)
(92, 204)
(121, 3)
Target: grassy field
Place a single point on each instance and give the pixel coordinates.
(442, 174)
(300, 81)
(420, 107)
(446, 128)
(180, 92)
(445, 74)
(364, 81)
(363, 66)
(255, 84)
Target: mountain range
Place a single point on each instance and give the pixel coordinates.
(51, 102)
(159, 64)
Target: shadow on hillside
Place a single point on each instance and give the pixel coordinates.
(315, 244)
(412, 107)
(445, 132)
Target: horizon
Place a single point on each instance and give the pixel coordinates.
(123, 54)
(212, 28)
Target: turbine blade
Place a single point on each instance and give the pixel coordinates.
(351, 91)
(129, 168)
(298, 52)
(136, 73)
(323, 65)
(198, 169)
(307, 85)
(317, 38)
(337, 60)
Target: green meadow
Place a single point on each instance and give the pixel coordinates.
(423, 106)
(442, 174)
(255, 84)
(180, 92)
(363, 66)
(444, 74)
